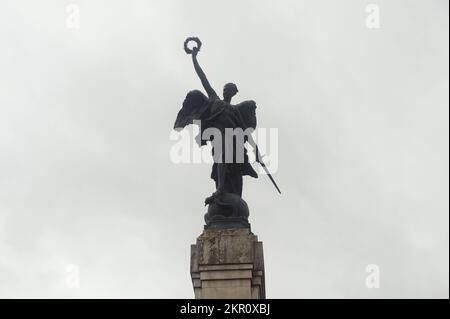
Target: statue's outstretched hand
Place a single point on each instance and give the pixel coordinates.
(195, 51)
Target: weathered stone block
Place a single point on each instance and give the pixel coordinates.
(228, 264)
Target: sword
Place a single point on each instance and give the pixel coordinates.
(259, 160)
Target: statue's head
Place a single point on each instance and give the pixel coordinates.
(229, 90)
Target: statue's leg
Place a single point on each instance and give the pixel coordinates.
(221, 176)
(220, 183)
(223, 155)
(226, 157)
(239, 185)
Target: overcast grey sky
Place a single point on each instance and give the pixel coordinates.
(85, 118)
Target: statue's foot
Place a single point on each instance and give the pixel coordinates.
(213, 197)
(209, 200)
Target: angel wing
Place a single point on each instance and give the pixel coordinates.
(194, 105)
(247, 110)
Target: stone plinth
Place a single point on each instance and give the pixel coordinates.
(228, 264)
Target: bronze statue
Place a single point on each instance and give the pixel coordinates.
(226, 206)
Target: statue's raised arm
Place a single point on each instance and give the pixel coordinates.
(194, 51)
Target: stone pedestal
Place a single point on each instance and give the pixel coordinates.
(228, 264)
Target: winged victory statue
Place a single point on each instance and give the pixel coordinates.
(228, 128)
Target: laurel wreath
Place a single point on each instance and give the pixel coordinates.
(196, 40)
